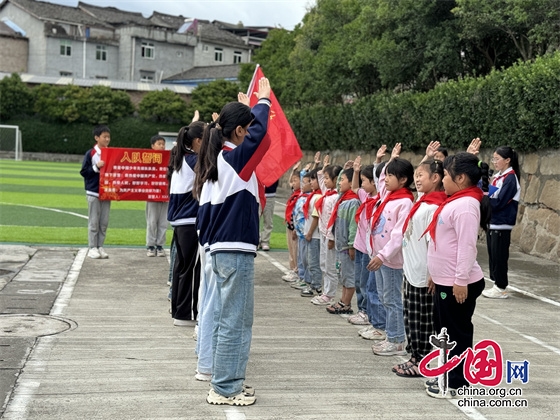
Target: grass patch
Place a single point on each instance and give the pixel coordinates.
(59, 189)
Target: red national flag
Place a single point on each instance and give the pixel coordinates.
(284, 150)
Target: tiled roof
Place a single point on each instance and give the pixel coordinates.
(57, 12)
(171, 21)
(230, 71)
(115, 16)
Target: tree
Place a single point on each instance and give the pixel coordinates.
(532, 27)
(212, 97)
(163, 106)
(15, 97)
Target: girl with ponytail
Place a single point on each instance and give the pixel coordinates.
(452, 265)
(181, 213)
(228, 224)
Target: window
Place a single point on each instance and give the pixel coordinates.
(218, 54)
(66, 48)
(205, 49)
(101, 77)
(101, 53)
(65, 74)
(237, 57)
(147, 76)
(148, 50)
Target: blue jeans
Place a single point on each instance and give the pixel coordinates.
(233, 320)
(207, 299)
(314, 263)
(362, 274)
(389, 286)
(302, 260)
(374, 308)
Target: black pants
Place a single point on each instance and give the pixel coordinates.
(418, 308)
(186, 274)
(457, 318)
(498, 242)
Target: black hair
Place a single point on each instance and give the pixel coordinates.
(434, 166)
(443, 151)
(349, 174)
(172, 155)
(401, 168)
(155, 139)
(379, 169)
(313, 174)
(367, 171)
(507, 152)
(333, 171)
(475, 170)
(233, 115)
(185, 139)
(100, 129)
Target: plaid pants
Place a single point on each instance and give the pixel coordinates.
(418, 310)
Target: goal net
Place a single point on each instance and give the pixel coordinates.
(10, 142)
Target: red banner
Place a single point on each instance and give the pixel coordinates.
(134, 174)
(284, 148)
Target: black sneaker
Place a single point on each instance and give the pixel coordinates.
(431, 382)
(435, 392)
(308, 291)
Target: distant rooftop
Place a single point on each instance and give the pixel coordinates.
(204, 74)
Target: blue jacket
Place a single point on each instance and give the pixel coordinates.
(90, 171)
(228, 217)
(504, 199)
(183, 207)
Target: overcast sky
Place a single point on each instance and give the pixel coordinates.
(284, 13)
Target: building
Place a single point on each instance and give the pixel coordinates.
(105, 43)
(13, 48)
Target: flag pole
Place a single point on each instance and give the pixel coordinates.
(253, 79)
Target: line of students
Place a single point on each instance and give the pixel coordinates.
(375, 240)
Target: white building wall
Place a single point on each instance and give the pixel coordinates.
(205, 54)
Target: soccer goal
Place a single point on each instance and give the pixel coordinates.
(10, 141)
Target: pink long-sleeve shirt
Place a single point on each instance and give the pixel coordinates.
(452, 260)
(387, 235)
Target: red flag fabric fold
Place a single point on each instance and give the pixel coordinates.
(284, 150)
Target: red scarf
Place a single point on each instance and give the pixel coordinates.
(348, 195)
(503, 176)
(435, 197)
(368, 206)
(393, 195)
(320, 201)
(308, 202)
(473, 192)
(290, 204)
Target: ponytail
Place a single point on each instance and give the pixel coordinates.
(507, 152)
(485, 206)
(185, 140)
(207, 164)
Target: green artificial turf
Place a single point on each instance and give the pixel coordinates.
(45, 203)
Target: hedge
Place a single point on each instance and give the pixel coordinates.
(519, 107)
(76, 138)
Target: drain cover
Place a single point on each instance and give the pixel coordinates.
(18, 325)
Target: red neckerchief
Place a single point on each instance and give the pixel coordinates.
(473, 192)
(393, 195)
(503, 176)
(348, 195)
(435, 197)
(320, 201)
(308, 202)
(368, 206)
(290, 204)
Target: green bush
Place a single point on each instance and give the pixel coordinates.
(15, 97)
(75, 138)
(518, 107)
(163, 106)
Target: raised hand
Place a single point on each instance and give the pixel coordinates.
(431, 149)
(243, 98)
(196, 116)
(396, 151)
(297, 165)
(348, 164)
(357, 164)
(380, 153)
(326, 161)
(264, 88)
(215, 116)
(474, 147)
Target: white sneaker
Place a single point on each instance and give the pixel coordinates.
(102, 253)
(195, 333)
(204, 377)
(266, 247)
(240, 399)
(291, 276)
(160, 252)
(386, 348)
(360, 318)
(363, 330)
(184, 323)
(151, 251)
(322, 300)
(495, 293)
(94, 253)
(373, 334)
